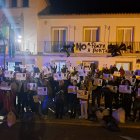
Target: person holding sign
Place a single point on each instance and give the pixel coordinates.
(126, 100)
(83, 101)
(73, 99)
(136, 105)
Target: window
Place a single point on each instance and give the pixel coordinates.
(14, 3)
(126, 65)
(59, 38)
(91, 34)
(125, 35)
(25, 3)
(2, 3)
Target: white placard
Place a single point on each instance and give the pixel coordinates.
(21, 76)
(116, 73)
(125, 89)
(36, 75)
(82, 94)
(72, 89)
(9, 74)
(30, 67)
(57, 76)
(97, 82)
(32, 86)
(42, 91)
(138, 92)
(47, 71)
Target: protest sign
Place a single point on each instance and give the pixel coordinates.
(42, 90)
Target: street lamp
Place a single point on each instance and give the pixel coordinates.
(3, 45)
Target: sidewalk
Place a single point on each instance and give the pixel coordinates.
(81, 122)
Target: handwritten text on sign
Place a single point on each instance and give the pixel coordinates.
(90, 47)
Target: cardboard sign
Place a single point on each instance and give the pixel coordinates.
(82, 94)
(32, 86)
(21, 76)
(138, 92)
(116, 73)
(42, 91)
(97, 82)
(36, 98)
(9, 74)
(125, 89)
(72, 89)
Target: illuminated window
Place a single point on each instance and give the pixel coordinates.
(125, 34)
(59, 38)
(91, 34)
(125, 65)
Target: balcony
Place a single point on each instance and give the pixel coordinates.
(50, 47)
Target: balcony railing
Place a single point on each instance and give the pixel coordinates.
(45, 47)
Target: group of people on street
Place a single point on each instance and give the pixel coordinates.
(79, 93)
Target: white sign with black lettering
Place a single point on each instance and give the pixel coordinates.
(9, 74)
(21, 76)
(42, 90)
(125, 89)
(97, 82)
(82, 94)
(32, 86)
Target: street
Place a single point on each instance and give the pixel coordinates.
(62, 131)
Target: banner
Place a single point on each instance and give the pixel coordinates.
(21, 76)
(125, 89)
(90, 47)
(32, 86)
(97, 82)
(9, 74)
(72, 89)
(82, 94)
(42, 91)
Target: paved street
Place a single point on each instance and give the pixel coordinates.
(66, 130)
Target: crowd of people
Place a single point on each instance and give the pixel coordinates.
(99, 89)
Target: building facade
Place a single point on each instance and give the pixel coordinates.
(40, 36)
